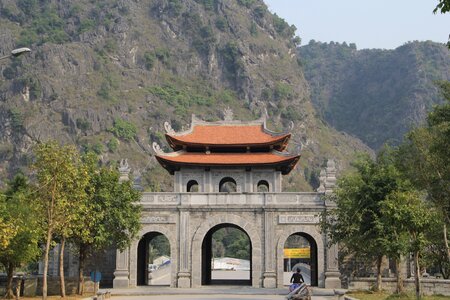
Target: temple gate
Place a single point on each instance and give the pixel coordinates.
(228, 173)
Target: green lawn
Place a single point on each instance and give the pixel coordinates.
(385, 296)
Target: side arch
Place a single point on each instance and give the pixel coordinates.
(170, 235)
(312, 231)
(200, 234)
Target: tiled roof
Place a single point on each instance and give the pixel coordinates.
(285, 162)
(228, 135)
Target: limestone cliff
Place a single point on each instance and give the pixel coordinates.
(106, 74)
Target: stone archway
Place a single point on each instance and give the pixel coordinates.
(170, 235)
(316, 236)
(232, 219)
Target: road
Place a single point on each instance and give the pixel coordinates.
(213, 297)
(306, 273)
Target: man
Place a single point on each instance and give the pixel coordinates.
(297, 278)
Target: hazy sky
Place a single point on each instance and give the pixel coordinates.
(368, 23)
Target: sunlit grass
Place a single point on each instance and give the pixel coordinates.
(386, 296)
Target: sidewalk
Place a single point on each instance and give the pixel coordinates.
(220, 290)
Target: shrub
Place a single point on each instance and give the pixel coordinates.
(149, 60)
(112, 145)
(246, 3)
(83, 124)
(221, 24)
(282, 92)
(124, 129)
(232, 57)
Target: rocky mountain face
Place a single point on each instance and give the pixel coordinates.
(106, 74)
(375, 95)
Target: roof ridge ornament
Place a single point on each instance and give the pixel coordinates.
(157, 148)
(228, 114)
(168, 128)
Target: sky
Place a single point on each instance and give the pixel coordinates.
(385, 24)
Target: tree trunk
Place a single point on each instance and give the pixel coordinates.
(62, 285)
(398, 264)
(417, 274)
(446, 241)
(81, 258)
(44, 278)
(9, 281)
(379, 261)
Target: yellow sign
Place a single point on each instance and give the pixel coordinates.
(297, 253)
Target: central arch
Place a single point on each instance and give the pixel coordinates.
(240, 275)
(230, 220)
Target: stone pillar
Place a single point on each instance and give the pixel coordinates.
(270, 275)
(208, 182)
(330, 179)
(121, 274)
(184, 274)
(178, 182)
(332, 274)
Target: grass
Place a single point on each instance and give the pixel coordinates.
(68, 297)
(385, 296)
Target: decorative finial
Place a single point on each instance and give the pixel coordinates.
(168, 128)
(123, 166)
(228, 114)
(157, 148)
(322, 179)
(124, 170)
(291, 126)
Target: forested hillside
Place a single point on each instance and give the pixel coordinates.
(376, 95)
(106, 74)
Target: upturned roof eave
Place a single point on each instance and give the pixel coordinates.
(286, 165)
(281, 141)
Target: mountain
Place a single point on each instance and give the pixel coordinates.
(375, 95)
(106, 74)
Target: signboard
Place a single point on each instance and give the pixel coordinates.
(297, 252)
(298, 219)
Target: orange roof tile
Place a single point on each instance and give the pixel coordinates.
(228, 135)
(229, 159)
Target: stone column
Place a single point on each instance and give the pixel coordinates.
(121, 274)
(332, 274)
(270, 275)
(184, 274)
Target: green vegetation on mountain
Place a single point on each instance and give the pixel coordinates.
(375, 95)
(105, 75)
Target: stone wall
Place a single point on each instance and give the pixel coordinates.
(32, 285)
(429, 286)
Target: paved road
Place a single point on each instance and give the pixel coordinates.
(213, 297)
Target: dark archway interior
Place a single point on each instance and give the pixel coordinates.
(146, 254)
(292, 242)
(263, 186)
(192, 186)
(227, 185)
(207, 256)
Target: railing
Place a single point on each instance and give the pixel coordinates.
(233, 199)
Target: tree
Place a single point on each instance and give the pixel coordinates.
(443, 6)
(23, 246)
(112, 218)
(408, 212)
(424, 159)
(61, 181)
(357, 218)
(7, 227)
